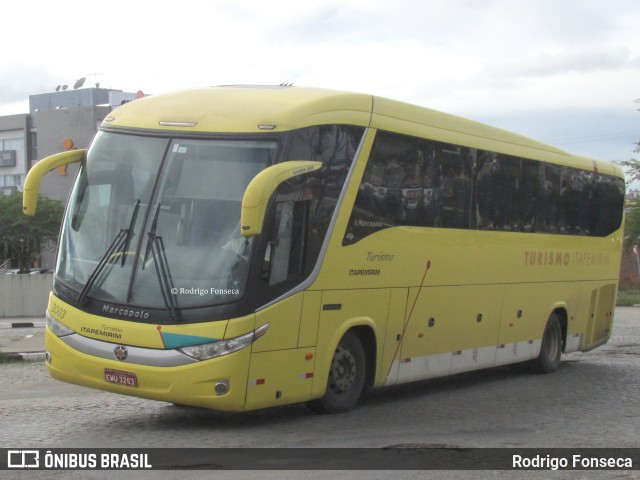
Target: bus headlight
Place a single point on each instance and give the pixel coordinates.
(206, 351)
(56, 327)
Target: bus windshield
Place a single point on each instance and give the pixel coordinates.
(151, 214)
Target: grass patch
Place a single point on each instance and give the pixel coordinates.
(628, 296)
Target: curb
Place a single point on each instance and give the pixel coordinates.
(25, 357)
(32, 353)
(23, 325)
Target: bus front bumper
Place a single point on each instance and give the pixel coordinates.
(218, 383)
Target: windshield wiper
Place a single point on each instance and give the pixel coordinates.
(127, 240)
(155, 245)
(151, 233)
(120, 244)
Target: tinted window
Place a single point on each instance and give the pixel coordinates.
(419, 182)
(300, 215)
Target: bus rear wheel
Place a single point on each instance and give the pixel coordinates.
(347, 376)
(551, 348)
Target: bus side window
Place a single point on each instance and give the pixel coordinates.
(424, 183)
(485, 210)
(549, 187)
(456, 192)
(608, 201)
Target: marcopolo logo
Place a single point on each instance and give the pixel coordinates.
(23, 459)
(125, 312)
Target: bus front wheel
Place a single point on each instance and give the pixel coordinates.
(347, 376)
(551, 348)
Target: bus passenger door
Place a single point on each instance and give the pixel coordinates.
(280, 372)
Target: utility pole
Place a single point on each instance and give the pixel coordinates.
(636, 250)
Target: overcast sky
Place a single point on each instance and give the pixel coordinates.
(564, 72)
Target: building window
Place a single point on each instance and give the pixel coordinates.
(16, 144)
(19, 179)
(34, 146)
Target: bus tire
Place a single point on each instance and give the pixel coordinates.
(551, 348)
(347, 375)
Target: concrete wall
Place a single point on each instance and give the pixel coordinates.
(54, 126)
(24, 295)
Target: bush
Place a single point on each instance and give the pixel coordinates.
(628, 296)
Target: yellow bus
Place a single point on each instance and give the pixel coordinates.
(243, 247)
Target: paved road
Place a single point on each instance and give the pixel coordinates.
(593, 400)
(22, 337)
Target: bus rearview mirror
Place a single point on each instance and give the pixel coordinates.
(31, 188)
(257, 195)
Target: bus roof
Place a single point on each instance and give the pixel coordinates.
(249, 109)
(260, 109)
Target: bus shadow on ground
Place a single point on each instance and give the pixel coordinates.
(448, 396)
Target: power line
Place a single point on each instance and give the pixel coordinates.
(594, 138)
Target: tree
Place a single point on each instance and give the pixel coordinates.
(632, 228)
(23, 236)
(632, 223)
(631, 168)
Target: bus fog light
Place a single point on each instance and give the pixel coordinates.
(221, 387)
(47, 357)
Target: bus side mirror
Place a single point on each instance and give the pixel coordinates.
(31, 188)
(257, 195)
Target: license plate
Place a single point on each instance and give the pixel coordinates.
(120, 378)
